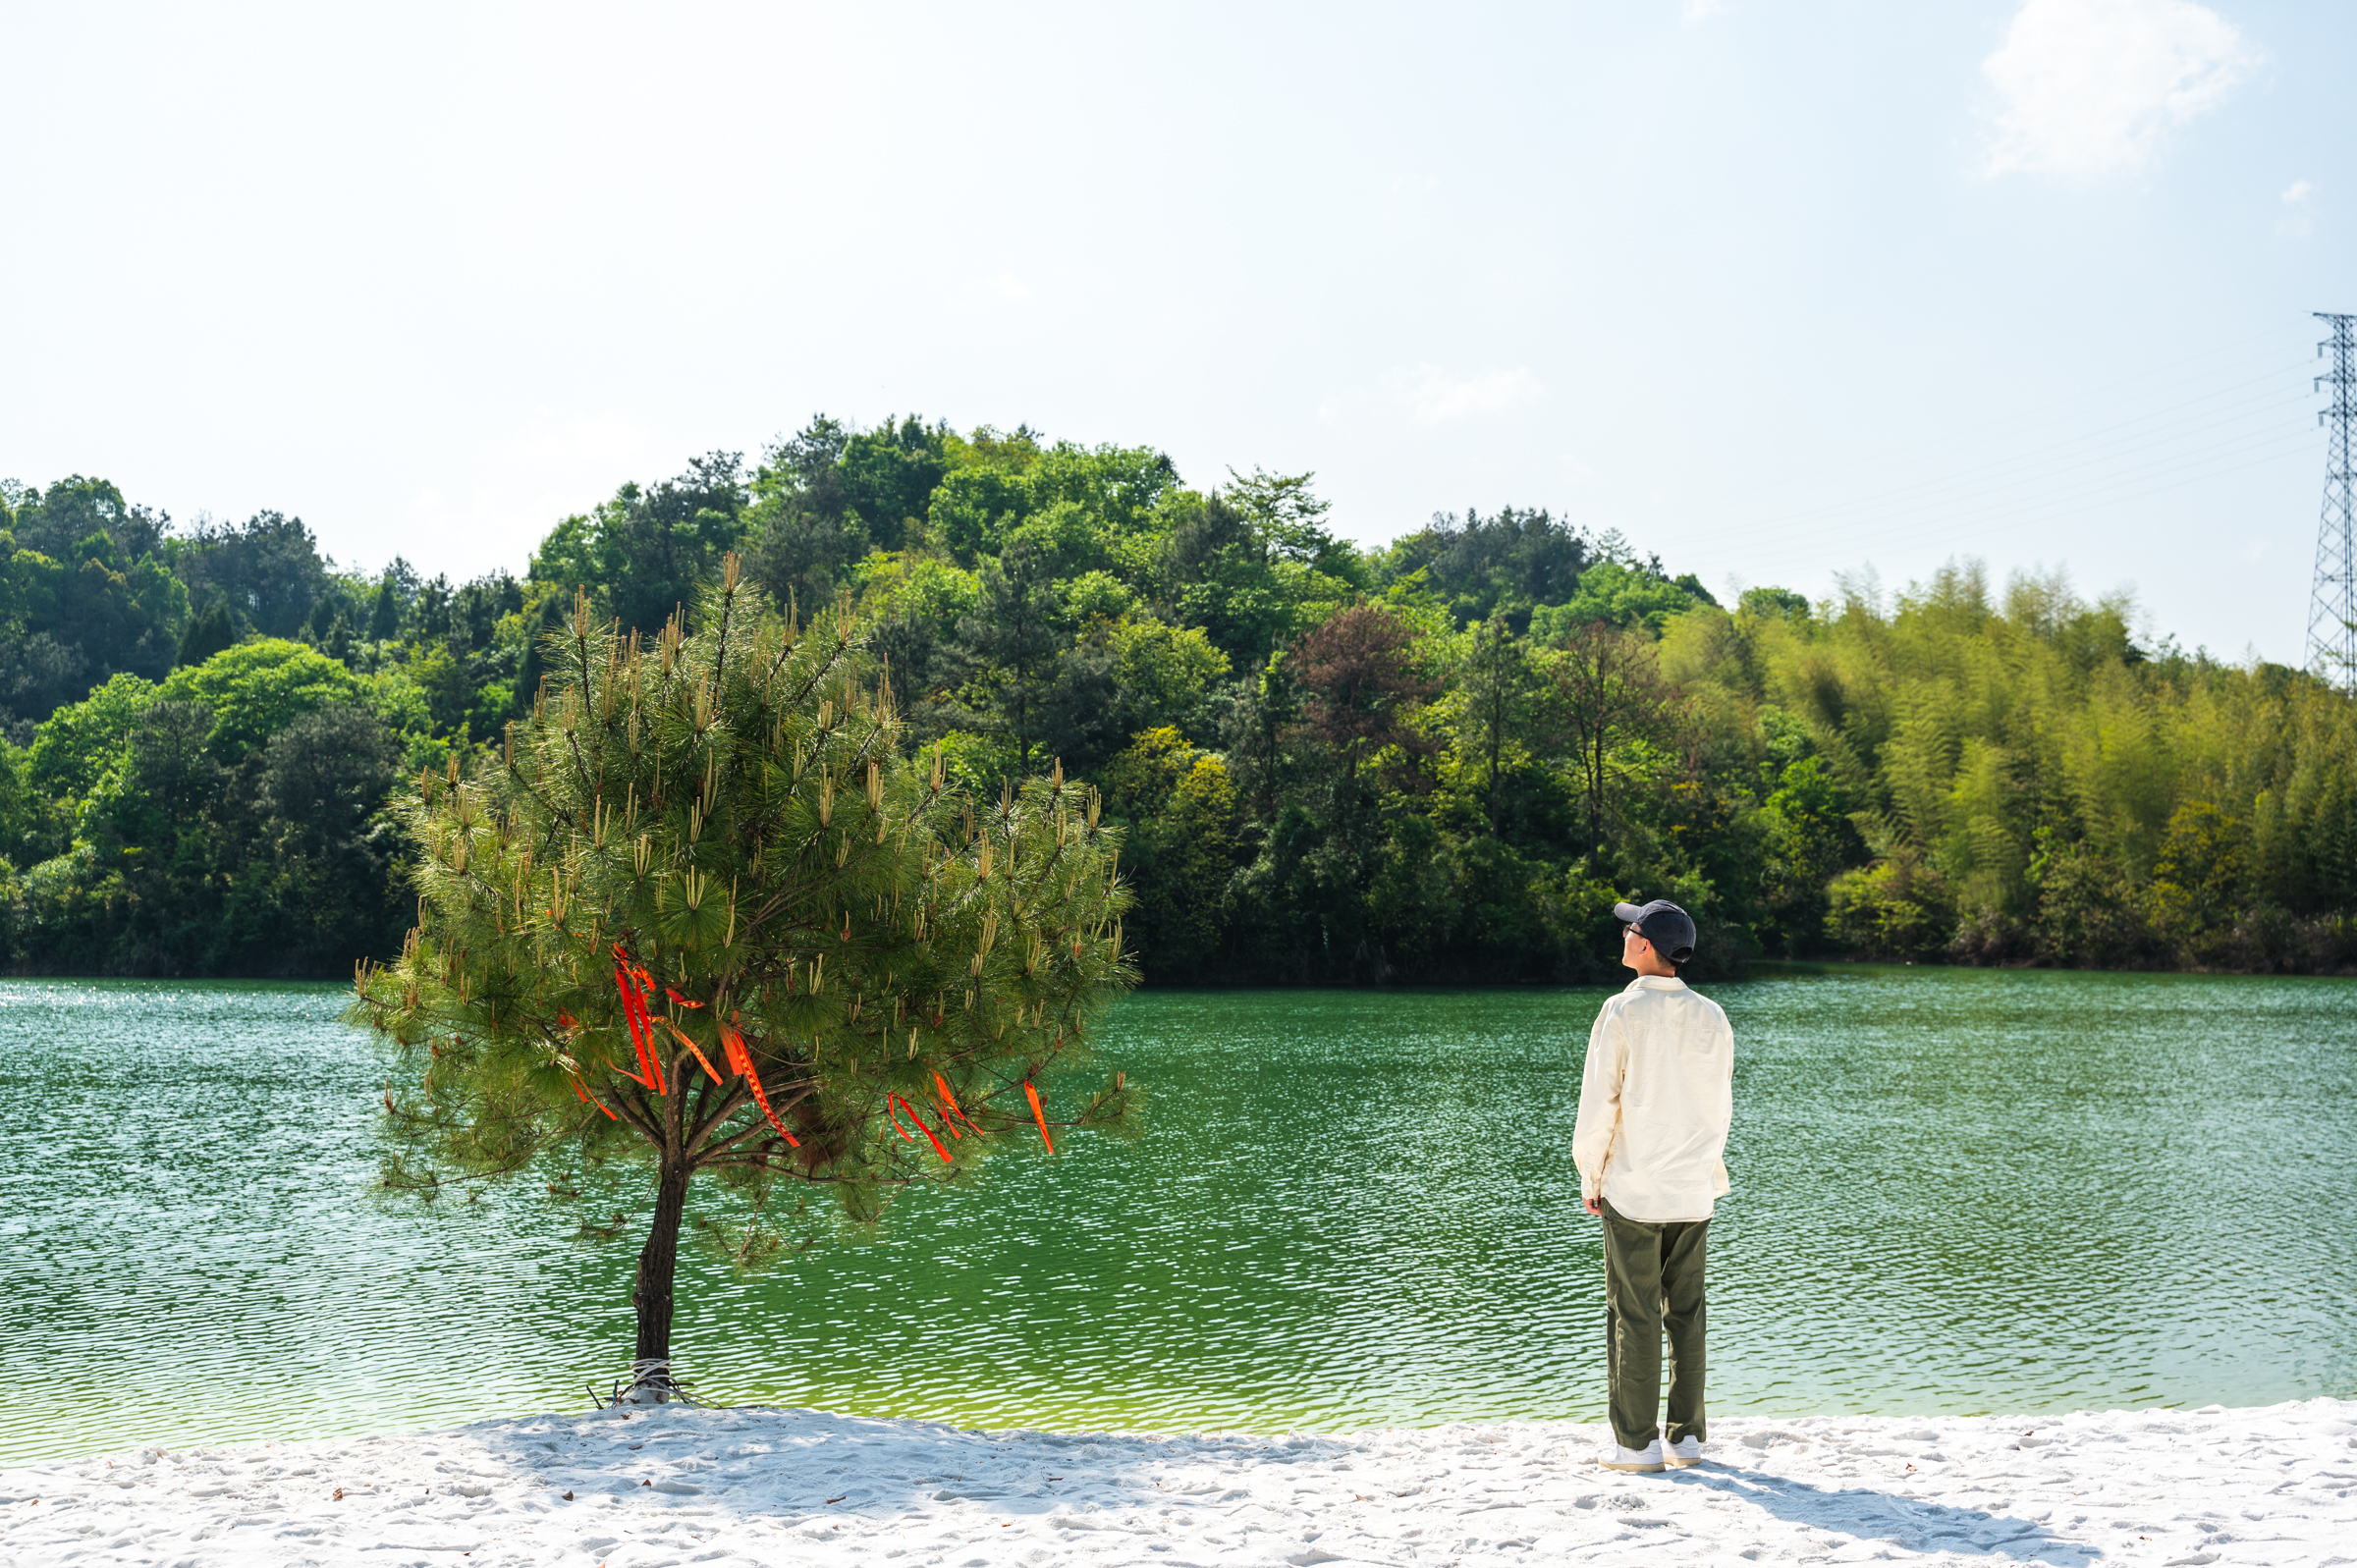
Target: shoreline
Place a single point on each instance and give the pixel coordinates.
(2273, 1485)
(1747, 969)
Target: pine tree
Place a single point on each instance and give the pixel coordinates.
(705, 911)
(208, 633)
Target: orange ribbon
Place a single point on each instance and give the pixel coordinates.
(1039, 1116)
(955, 1108)
(696, 1050)
(742, 1060)
(589, 1098)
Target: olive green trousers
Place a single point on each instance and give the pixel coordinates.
(1651, 1283)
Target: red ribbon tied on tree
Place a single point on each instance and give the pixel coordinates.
(634, 1009)
(589, 1098)
(938, 1147)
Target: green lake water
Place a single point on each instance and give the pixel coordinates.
(1955, 1191)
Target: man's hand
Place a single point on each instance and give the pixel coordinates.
(1594, 1205)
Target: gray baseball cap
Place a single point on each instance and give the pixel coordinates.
(1669, 928)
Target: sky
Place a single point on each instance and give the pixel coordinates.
(1792, 294)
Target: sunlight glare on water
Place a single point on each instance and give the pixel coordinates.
(1955, 1191)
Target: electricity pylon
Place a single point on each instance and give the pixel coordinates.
(2332, 605)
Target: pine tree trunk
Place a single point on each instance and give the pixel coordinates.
(658, 1266)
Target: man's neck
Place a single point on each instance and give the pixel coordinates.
(1654, 971)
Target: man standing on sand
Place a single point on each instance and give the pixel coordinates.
(1654, 1107)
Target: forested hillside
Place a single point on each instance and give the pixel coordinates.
(1442, 760)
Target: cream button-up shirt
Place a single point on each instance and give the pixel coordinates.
(1655, 1103)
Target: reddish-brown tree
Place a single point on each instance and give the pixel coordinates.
(1360, 681)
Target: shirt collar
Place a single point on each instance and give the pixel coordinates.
(1656, 982)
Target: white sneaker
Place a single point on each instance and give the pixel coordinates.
(1645, 1461)
(1683, 1452)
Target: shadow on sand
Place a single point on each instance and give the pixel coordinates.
(1866, 1514)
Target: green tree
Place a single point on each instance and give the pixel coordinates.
(1012, 646)
(1179, 806)
(1891, 910)
(79, 743)
(322, 877)
(209, 633)
(973, 509)
(1163, 674)
(258, 688)
(391, 600)
(887, 475)
(87, 592)
(706, 913)
(1253, 565)
(228, 822)
(1773, 602)
(268, 568)
(1622, 595)
(1609, 698)
(800, 534)
(646, 552)
(1503, 565)
(1493, 708)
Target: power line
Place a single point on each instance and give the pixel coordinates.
(2027, 515)
(1969, 501)
(2046, 462)
(2183, 441)
(2188, 439)
(2076, 404)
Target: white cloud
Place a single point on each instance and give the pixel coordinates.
(2089, 87)
(1431, 395)
(2299, 198)
(1695, 13)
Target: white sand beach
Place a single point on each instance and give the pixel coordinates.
(2276, 1485)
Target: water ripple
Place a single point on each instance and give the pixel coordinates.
(1955, 1192)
